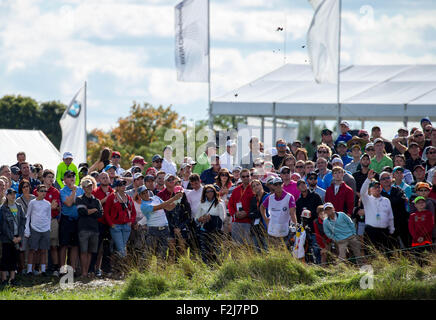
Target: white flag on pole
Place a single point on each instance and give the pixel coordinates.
(191, 43)
(73, 125)
(322, 40)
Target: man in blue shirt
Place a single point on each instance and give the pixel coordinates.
(339, 227)
(208, 176)
(68, 231)
(342, 148)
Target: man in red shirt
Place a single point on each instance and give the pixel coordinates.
(421, 224)
(239, 207)
(102, 193)
(339, 194)
(54, 197)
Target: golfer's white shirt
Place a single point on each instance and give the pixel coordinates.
(378, 211)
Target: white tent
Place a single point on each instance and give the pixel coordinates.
(34, 143)
(370, 92)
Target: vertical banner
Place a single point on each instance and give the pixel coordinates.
(323, 39)
(191, 41)
(73, 125)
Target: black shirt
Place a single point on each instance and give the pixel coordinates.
(277, 161)
(411, 163)
(88, 222)
(310, 202)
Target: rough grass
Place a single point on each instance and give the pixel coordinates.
(246, 275)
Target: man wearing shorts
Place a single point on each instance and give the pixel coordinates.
(89, 209)
(38, 228)
(68, 233)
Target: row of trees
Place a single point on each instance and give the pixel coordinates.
(19, 112)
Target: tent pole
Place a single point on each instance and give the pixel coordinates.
(312, 120)
(339, 68)
(274, 123)
(406, 118)
(262, 129)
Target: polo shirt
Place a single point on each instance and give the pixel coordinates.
(378, 166)
(70, 212)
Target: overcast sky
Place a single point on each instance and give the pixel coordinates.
(124, 49)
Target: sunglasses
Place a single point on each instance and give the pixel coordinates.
(312, 178)
(42, 191)
(386, 178)
(281, 145)
(299, 167)
(210, 191)
(286, 172)
(224, 175)
(431, 152)
(423, 190)
(323, 151)
(116, 157)
(428, 130)
(418, 135)
(245, 176)
(370, 149)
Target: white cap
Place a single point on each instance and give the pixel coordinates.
(67, 155)
(337, 160)
(345, 123)
(230, 143)
(328, 205)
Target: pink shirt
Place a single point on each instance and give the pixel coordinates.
(292, 189)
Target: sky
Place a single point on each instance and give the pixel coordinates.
(124, 49)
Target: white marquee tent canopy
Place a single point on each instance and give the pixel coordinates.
(34, 143)
(367, 92)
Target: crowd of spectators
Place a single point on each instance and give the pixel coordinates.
(338, 199)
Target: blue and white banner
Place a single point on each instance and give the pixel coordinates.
(191, 41)
(73, 125)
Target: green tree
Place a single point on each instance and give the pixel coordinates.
(18, 112)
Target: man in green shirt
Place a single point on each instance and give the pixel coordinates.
(64, 166)
(380, 160)
(203, 161)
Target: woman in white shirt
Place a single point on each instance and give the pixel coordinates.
(210, 217)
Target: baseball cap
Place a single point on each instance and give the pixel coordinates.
(284, 168)
(341, 143)
(10, 190)
(427, 150)
(15, 170)
(306, 214)
(270, 180)
(345, 123)
(337, 160)
(301, 181)
(69, 173)
(398, 168)
(86, 183)
(139, 159)
(230, 143)
(417, 167)
(375, 128)
(296, 174)
(190, 161)
(420, 185)
(168, 176)
(184, 165)
(312, 173)
(374, 183)
(378, 140)
(326, 132)
(328, 205)
(403, 129)
(167, 147)
(418, 199)
(141, 189)
(156, 157)
(368, 145)
(151, 170)
(296, 141)
(237, 168)
(119, 183)
(116, 153)
(67, 155)
(413, 144)
(137, 175)
(365, 155)
(110, 166)
(149, 177)
(362, 132)
(277, 180)
(135, 169)
(425, 119)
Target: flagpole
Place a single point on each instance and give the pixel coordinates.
(339, 70)
(86, 114)
(208, 66)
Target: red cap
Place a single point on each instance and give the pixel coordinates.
(116, 153)
(139, 159)
(151, 169)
